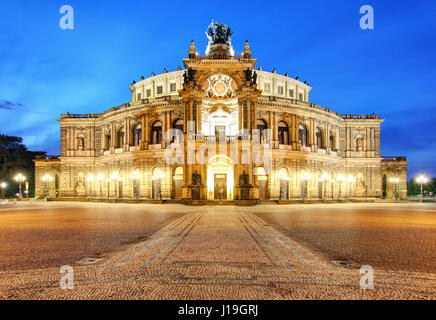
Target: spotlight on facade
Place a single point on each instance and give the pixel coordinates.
(394, 181)
(90, 178)
(135, 175)
(46, 179)
(115, 176)
(100, 177)
(305, 176)
(158, 174)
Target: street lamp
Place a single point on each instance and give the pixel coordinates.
(350, 180)
(20, 179)
(324, 178)
(421, 180)
(305, 177)
(332, 181)
(3, 186)
(340, 179)
(90, 180)
(46, 178)
(100, 178)
(394, 181)
(135, 176)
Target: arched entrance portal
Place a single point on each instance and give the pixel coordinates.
(220, 179)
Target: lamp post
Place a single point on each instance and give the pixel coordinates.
(421, 180)
(394, 181)
(332, 181)
(100, 178)
(324, 178)
(90, 181)
(340, 179)
(305, 177)
(46, 179)
(20, 179)
(135, 177)
(116, 178)
(3, 187)
(350, 180)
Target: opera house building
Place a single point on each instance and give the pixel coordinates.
(220, 129)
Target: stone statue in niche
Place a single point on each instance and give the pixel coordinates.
(359, 144)
(196, 179)
(81, 143)
(244, 179)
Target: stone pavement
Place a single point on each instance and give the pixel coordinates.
(216, 253)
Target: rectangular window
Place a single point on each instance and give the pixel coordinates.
(267, 87)
(291, 93)
(159, 90)
(300, 96)
(148, 93)
(172, 87)
(139, 96)
(280, 89)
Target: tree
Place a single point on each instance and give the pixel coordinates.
(14, 158)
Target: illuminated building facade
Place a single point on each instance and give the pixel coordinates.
(222, 101)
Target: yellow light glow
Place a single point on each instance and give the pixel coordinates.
(340, 178)
(351, 179)
(47, 178)
(305, 176)
(90, 178)
(325, 176)
(135, 175)
(422, 179)
(20, 178)
(115, 176)
(3, 185)
(100, 177)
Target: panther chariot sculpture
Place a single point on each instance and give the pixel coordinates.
(220, 42)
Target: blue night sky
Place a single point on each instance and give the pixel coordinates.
(46, 71)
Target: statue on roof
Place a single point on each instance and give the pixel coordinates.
(220, 37)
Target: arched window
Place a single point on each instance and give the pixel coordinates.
(332, 141)
(137, 134)
(121, 137)
(108, 141)
(262, 126)
(283, 133)
(302, 134)
(319, 142)
(178, 125)
(156, 132)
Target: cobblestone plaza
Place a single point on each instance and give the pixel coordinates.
(218, 252)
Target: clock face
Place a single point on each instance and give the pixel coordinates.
(219, 86)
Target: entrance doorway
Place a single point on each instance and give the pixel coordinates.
(178, 182)
(220, 178)
(220, 189)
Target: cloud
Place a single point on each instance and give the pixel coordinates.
(8, 105)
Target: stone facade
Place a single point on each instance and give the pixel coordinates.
(315, 153)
